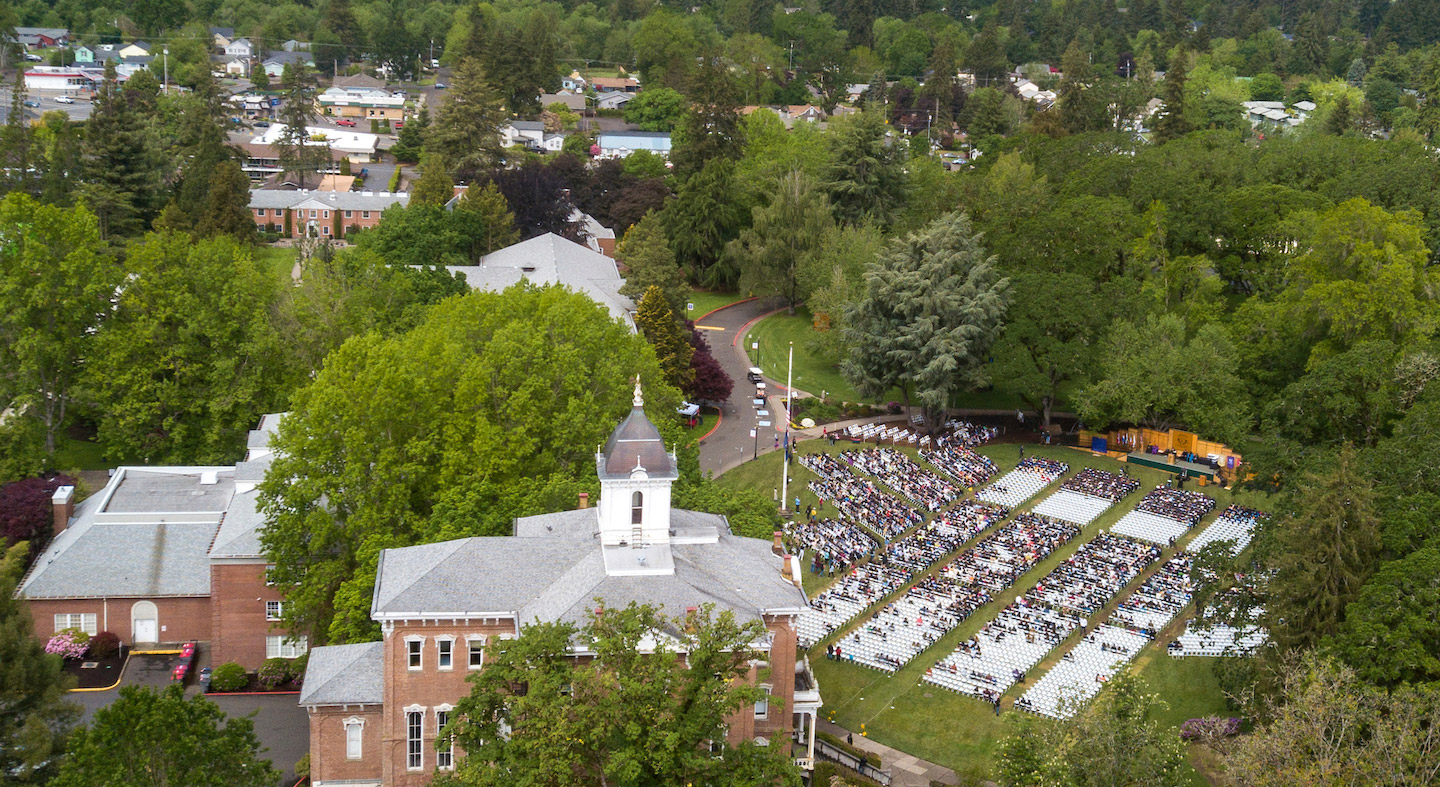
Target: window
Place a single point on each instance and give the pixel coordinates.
(637, 507)
(325, 230)
(85, 621)
(444, 758)
(354, 730)
(414, 648)
(414, 747)
(762, 705)
(477, 652)
(280, 647)
(327, 214)
(365, 214)
(312, 214)
(274, 610)
(348, 214)
(446, 650)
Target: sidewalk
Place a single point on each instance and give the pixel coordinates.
(905, 770)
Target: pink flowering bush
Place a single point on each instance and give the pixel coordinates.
(1209, 728)
(69, 644)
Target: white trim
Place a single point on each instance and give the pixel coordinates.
(448, 639)
(359, 723)
(470, 640)
(411, 640)
(420, 749)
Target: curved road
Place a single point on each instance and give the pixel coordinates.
(731, 444)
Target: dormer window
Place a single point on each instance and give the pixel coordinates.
(637, 508)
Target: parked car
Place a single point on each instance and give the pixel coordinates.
(397, 125)
(262, 124)
(205, 679)
(441, 86)
(29, 102)
(347, 122)
(64, 100)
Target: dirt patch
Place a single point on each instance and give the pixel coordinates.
(96, 673)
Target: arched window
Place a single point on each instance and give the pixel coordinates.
(637, 505)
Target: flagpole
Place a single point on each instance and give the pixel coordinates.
(785, 467)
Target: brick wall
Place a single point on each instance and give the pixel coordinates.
(180, 619)
(328, 760)
(238, 594)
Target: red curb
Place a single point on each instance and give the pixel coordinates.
(746, 327)
(697, 320)
(719, 417)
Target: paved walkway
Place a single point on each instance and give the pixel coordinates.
(731, 444)
(905, 770)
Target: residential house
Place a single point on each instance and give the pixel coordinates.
(84, 54)
(363, 102)
(262, 152)
(551, 259)
(222, 36)
(127, 66)
(572, 101)
(621, 84)
(804, 112)
(620, 144)
(295, 46)
(318, 213)
(376, 709)
(42, 37)
(529, 133)
(165, 555)
(274, 65)
(1303, 109)
(238, 66)
(359, 81)
(58, 78)
(137, 49)
(598, 237)
(612, 100)
(574, 82)
(240, 47)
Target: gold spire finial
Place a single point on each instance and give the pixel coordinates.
(639, 400)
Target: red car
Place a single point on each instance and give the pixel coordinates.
(345, 122)
(397, 125)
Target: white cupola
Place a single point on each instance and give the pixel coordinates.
(636, 473)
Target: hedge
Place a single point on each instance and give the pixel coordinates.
(228, 677)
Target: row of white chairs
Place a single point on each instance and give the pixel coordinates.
(943, 534)
(1236, 525)
(1159, 599)
(858, 499)
(1181, 505)
(1101, 483)
(1098, 570)
(852, 594)
(968, 433)
(1004, 649)
(960, 463)
(1073, 506)
(835, 541)
(1082, 672)
(1150, 527)
(1015, 487)
(1219, 640)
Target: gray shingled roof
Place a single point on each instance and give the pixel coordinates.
(341, 200)
(555, 574)
(239, 534)
(146, 534)
(344, 675)
(550, 259)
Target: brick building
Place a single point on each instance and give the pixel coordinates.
(375, 708)
(320, 213)
(162, 555)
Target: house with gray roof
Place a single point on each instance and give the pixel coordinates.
(440, 606)
(551, 259)
(165, 555)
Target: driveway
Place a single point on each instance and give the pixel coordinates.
(731, 444)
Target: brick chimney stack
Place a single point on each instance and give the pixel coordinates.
(778, 547)
(63, 502)
(584, 499)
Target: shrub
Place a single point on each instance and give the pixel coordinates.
(273, 673)
(104, 645)
(297, 668)
(228, 677)
(69, 643)
(26, 513)
(1209, 728)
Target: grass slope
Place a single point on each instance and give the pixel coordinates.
(960, 732)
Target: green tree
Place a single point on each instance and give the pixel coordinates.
(1267, 87)
(1172, 123)
(649, 262)
(599, 724)
(33, 684)
(56, 280)
(670, 340)
(987, 113)
(701, 219)
(434, 187)
(710, 128)
(1080, 110)
(466, 136)
(1325, 548)
(298, 155)
(784, 238)
(484, 221)
(656, 109)
(189, 360)
(1052, 329)
(664, 48)
(1153, 374)
(933, 305)
(489, 409)
(866, 177)
(159, 738)
(121, 165)
(15, 142)
(227, 204)
(1391, 634)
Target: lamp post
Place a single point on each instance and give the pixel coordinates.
(785, 463)
(167, 70)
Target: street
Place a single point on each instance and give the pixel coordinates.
(731, 443)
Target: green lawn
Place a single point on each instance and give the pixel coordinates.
(901, 710)
(75, 454)
(707, 301)
(281, 260)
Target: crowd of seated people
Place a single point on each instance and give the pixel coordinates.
(1151, 607)
(1235, 525)
(944, 535)
(901, 473)
(1000, 558)
(1003, 651)
(857, 498)
(848, 597)
(959, 462)
(1177, 504)
(1051, 468)
(908, 625)
(1094, 574)
(834, 544)
(1099, 483)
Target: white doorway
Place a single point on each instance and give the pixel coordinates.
(144, 623)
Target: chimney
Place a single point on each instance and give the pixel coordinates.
(778, 547)
(63, 502)
(584, 499)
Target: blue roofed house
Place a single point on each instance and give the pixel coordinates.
(619, 144)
